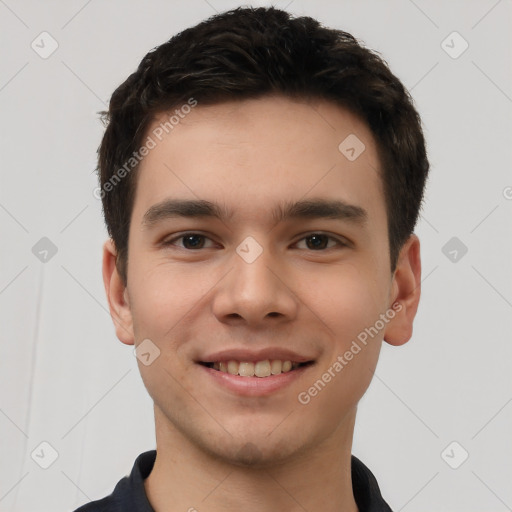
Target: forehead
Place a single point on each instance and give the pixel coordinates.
(253, 153)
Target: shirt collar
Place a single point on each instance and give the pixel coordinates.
(131, 496)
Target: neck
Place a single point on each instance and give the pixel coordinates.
(187, 478)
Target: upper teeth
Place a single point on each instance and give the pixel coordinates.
(260, 368)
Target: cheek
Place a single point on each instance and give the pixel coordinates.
(163, 299)
(347, 300)
(164, 296)
(356, 310)
(350, 310)
(350, 305)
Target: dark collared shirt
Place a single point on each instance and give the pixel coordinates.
(130, 496)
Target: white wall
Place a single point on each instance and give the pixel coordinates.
(67, 380)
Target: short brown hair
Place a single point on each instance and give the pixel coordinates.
(248, 53)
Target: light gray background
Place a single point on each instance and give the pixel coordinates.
(67, 380)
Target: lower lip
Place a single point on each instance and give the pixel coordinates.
(255, 386)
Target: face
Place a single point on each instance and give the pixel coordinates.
(288, 261)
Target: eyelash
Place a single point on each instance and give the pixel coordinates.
(339, 242)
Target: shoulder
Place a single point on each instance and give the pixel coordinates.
(129, 494)
(111, 503)
(366, 489)
(103, 505)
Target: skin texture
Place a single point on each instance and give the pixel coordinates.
(273, 452)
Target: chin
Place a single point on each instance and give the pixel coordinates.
(258, 452)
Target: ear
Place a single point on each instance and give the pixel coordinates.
(117, 295)
(405, 294)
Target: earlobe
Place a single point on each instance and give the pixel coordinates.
(405, 296)
(117, 295)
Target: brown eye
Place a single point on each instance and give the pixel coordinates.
(319, 242)
(189, 241)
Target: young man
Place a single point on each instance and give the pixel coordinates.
(261, 177)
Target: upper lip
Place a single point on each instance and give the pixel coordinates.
(246, 355)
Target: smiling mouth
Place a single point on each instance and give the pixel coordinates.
(260, 369)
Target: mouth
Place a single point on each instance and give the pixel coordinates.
(260, 369)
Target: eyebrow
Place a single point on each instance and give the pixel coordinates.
(303, 209)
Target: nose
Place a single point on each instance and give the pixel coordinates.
(255, 292)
